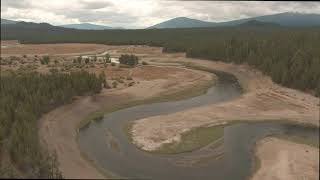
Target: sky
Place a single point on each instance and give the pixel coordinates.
(143, 13)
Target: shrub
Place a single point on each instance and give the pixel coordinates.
(114, 84)
(79, 59)
(45, 60)
(144, 63)
(107, 58)
(130, 60)
(131, 84)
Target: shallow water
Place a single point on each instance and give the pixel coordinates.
(231, 158)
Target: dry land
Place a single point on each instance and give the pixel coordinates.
(285, 160)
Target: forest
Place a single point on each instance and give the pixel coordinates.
(290, 56)
(24, 97)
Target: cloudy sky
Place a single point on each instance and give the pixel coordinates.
(142, 13)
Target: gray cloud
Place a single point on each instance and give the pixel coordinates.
(95, 4)
(18, 4)
(143, 13)
(107, 17)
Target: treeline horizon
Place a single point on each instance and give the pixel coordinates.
(290, 56)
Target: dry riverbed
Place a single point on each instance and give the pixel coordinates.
(285, 160)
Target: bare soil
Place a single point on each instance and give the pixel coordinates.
(10, 48)
(49, 49)
(285, 160)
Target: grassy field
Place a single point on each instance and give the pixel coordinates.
(192, 140)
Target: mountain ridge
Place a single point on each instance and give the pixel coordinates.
(290, 19)
(86, 26)
(7, 21)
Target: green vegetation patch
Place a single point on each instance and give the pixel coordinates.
(129, 60)
(192, 140)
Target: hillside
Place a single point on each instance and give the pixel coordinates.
(7, 21)
(86, 26)
(284, 19)
(255, 23)
(182, 22)
(289, 19)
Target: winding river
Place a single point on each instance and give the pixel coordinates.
(106, 143)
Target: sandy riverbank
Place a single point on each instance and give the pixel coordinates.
(285, 160)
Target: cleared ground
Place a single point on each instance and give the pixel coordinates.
(284, 160)
(14, 48)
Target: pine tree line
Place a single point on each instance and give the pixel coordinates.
(23, 99)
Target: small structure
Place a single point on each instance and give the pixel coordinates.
(114, 60)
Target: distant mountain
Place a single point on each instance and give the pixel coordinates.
(30, 25)
(255, 23)
(182, 22)
(7, 21)
(284, 19)
(86, 26)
